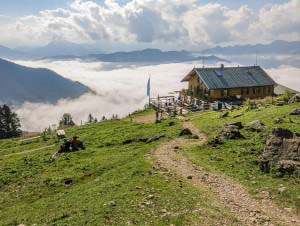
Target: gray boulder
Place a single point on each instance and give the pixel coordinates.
(281, 152)
(255, 126)
(230, 131)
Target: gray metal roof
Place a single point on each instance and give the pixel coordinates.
(233, 77)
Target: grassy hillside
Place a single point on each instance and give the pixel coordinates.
(112, 183)
(239, 158)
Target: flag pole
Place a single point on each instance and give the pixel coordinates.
(149, 89)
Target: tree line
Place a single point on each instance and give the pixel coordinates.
(10, 126)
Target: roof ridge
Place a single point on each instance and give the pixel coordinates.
(198, 68)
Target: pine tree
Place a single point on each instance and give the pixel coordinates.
(66, 120)
(90, 118)
(9, 123)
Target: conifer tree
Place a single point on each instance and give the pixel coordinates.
(91, 118)
(66, 120)
(9, 123)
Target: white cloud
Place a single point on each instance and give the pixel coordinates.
(181, 23)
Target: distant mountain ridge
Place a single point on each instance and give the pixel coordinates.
(276, 47)
(142, 56)
(6, 52)
(20, 84)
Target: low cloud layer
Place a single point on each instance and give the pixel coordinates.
(119, 90)
(176, 23)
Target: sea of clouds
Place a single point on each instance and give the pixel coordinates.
(119, 89)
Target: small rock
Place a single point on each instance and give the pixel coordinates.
(224, 114)
(278, 120)
(164, 211)
(190, 177)
(111, 203)
(150, 197)
(255, 126)
(185, 132)
(296, 111)
(280, 103)
(281, 189)
(68, 181)
(172, 123)
(237, 116)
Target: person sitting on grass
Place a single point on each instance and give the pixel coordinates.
(76, 144)
(65, 147)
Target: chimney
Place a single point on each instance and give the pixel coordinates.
(222, 66)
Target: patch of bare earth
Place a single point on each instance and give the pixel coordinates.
(231, 195)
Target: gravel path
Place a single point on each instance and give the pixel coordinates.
(28, 151)
(231, 194)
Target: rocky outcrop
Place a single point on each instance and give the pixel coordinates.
(281, 152)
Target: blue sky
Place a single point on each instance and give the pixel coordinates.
(23, 7)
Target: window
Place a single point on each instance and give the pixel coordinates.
(254, 90)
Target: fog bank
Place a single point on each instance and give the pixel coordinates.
(121, 89)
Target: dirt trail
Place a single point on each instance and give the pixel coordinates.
(28, 151)
(231, 194)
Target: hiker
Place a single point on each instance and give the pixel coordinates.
(65, 147)
(76, 144)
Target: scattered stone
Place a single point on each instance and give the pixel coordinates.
(280, 103)
(164, 211)
(281, 152)
(185, 132)
(111, 203)
(238, 115)
(68, 181)
(281, 189)
(172, 123)
(238, 124)
(224, 114)
(137, 139)
(155, 138)
(230, 131)
(296, 111)
(190, 177)
(150, 197)
(278, 120)
(288, 166)
(255, 126)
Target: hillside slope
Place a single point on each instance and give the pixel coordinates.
(112, 183)
(238, 159)
(20, 84)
